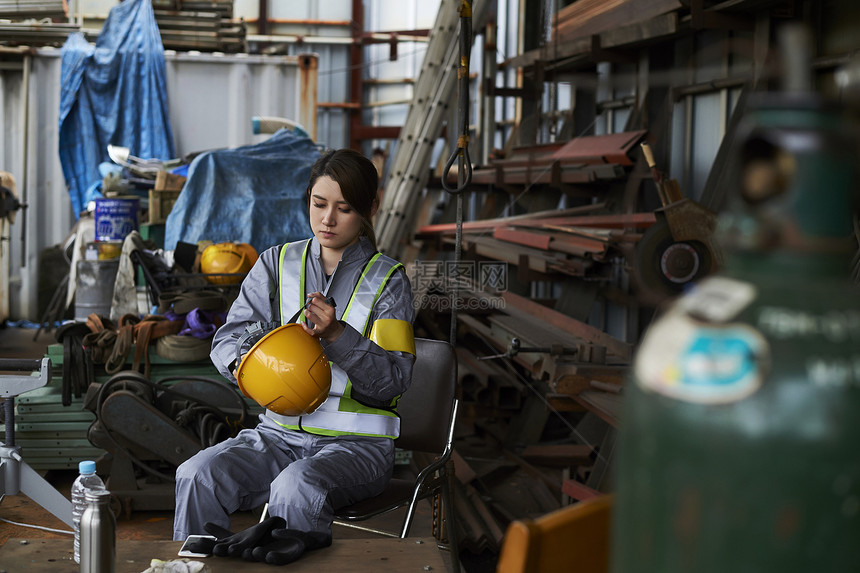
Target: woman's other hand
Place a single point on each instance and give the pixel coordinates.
(323, 316)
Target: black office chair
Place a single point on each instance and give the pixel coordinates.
(428, 410)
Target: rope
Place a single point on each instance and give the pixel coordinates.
(42, 527)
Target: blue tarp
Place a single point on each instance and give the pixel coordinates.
(113, 93)
(253, 194)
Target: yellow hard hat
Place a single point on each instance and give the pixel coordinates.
(286, 371)
(222, 258)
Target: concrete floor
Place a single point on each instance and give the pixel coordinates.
(141, 525)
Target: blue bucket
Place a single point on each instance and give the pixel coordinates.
(115, 218)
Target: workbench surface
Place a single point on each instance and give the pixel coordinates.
(133, 556)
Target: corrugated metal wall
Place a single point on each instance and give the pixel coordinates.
(37, 171)
(212, 98)
(211, 101)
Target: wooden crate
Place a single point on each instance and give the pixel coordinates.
(163, 196)
(160, 205)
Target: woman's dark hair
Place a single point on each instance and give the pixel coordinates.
(358, 180)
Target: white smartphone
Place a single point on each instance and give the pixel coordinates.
(185, 552)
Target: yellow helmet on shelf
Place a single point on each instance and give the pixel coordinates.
(286, 371)
(227, 258)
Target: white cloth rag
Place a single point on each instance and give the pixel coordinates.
(177, 566)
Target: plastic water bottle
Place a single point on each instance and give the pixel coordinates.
(87, 480)
(98, 534)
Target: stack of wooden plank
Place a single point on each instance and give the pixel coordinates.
(582, 29)
(222, 7)
(588, 17)
(34, 23)
(197, 25)
(20, 9)
(29, 34)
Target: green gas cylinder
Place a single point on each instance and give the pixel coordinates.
(740, 438)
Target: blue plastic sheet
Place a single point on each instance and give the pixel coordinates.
(253, 194)
(113, 93)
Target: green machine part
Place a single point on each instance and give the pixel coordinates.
(740, 437)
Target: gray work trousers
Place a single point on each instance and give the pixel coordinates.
(304, 477)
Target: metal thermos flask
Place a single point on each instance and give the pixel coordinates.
(98, 534)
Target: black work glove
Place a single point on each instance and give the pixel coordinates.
(229, 544)
(288, 545)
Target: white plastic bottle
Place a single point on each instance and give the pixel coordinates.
(87, 480)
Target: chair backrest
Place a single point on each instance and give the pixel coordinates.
(425, 408)
(573, 538)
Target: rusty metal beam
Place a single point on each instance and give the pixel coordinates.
(703, 19)
(519, 237)
(308, 86)
(599, 53)
(558, 455)
(263, 20)
(552, 484)
(359, 132)
(295, 21)
(388, 37)
(631, 221)
(623, 221)
(564, 403)
(356, 65)
(579, 491)
(484, 224)
(595, 402)
(378, 37)
(532, 175)
(613, 148)
(577, 328)
(339, 105)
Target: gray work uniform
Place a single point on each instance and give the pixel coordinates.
(304, 477)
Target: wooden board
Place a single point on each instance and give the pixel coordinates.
(354, 555)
